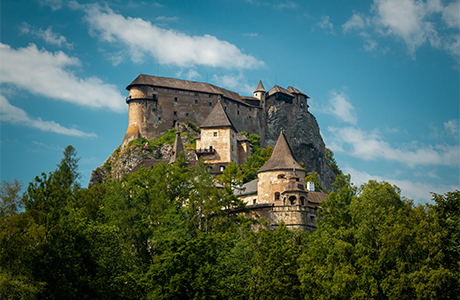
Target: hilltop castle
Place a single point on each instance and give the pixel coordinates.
(156, 104)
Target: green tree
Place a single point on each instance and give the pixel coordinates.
(332, 162)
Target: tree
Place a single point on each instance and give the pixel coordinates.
(332, 162)
(11, 202)
(314, 177)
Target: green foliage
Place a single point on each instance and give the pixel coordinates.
(168, 232)
(193, 126)
(332, 162)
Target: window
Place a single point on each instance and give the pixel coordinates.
(238, 112)
(210, 103)
(281, 176)
(254, 202)
(159, 119)
(302, 200)
(153, 110)
(215, 133)
(196, 101)
(277, 196)
(175, 99)
(175, 113)
(222, 168)
(186, 114)
(292, 200)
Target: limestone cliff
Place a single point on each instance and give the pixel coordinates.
(303, 134)
(124, 159)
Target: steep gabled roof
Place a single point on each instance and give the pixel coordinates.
(277, 89)
(177, 149)
(282, 157)
(260, 87)
(293, 90)
(218, 118)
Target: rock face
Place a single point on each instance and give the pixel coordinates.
(124, 159)
(302, 132)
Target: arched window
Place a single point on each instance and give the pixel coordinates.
(292, 200)
(281, 176)
(302, 200)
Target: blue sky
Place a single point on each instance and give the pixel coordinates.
(383, 76)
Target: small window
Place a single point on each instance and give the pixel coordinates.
(186, 114)
(210, 103)
(153, 109)
(196, 101)
(281, 176)
(238, 112)
(175, 113)
(277, 196)
(254, 201)
(222, 168)
(175, 99)
(215, 133)
(159, 119)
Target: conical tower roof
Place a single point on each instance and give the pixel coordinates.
(282, 157)
(218, 118)
(178, 147)
(260, 87)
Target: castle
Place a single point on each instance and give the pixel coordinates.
(156, 104)
(278, 194)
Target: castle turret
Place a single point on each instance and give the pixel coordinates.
(142, 102)
(259, 93)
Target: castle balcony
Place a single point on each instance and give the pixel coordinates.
(205, 151)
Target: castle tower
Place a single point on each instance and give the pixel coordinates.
(259, 93)
(275, 175)
(218, 143)
(142, 101)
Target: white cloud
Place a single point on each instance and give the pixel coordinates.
(237, 83)
(287, 4)
(326, 25)
(371, 146)
(418, 190)
(451, 127)
(54, 4)
(166, 19)
(412, 21)
(46, 73)
(17, 116)
(356, 21)
(165, 45)
(47, 35)
(191, 74)
(341, 107)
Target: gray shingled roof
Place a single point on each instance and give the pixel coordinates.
(184, 85)
(260, 87)
(293, 90)
(277, 89)
(218, 118)
(282, 157)
(248, 188)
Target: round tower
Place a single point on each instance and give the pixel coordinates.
(141, 103)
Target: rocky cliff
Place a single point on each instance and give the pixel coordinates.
(303, 134)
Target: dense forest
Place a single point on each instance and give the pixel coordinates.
(168, 232)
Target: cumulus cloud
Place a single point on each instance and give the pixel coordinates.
(47, 35)
(17, 116)
(234, 82)
(417, 190)
(451, 127)
(342, 108)
(167, 46)
(326, 25)
(371, 146)
(414, 22)
(47, 74)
